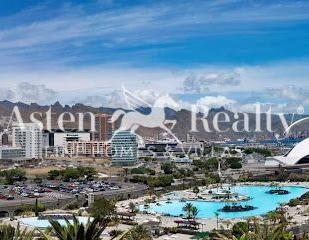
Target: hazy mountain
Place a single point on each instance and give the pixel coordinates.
(204, 129)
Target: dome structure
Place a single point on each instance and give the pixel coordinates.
(297, 155)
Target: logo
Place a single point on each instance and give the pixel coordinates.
(143, 114)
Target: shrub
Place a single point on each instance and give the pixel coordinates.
(239, 229)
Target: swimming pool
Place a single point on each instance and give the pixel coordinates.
(263, 202)
(44, 223)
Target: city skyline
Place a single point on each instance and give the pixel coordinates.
(216, 53)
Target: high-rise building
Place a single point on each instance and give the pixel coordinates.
(28, 136)
(124, 149)
(104, 128)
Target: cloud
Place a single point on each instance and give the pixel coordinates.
(204, 82)
(204, 104)
(114, 99)
(29, 93)
(290, 92)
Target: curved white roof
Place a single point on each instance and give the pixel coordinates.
(300, 151)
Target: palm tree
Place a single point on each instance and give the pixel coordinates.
(188, 209)
(8, 232)
(262, 231)
(137, 233)
(194, 212)
(76, 230)
(132, 207)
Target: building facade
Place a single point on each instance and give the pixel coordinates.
(88, 148)
(104, 128)
(124, 149)
(58, 138)
(8, 152)
(28, 136)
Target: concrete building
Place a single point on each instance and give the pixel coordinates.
(28, 136)
(8, 152)
(298, 155)
(124, 149)
(104, 128)
(58, 138)
(88, 148)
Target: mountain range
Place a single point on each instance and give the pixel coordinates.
(197, 125)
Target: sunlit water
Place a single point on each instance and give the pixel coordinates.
(44, 223)
(262, 201)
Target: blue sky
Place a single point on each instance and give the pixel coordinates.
(224, 52)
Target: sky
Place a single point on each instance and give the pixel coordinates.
(231, 53)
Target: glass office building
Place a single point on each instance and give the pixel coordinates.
(124, 149)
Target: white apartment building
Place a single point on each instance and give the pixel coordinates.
(28, 136)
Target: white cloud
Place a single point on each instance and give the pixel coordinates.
(204, 82)
(116, 99)
(28, 93)
(206, 103)
(290, 92)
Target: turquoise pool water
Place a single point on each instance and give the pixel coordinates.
(43, 223)
(260, 199)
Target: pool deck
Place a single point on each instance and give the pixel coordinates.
(300, 214)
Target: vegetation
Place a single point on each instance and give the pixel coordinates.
(263, 151)
(210, 165)
(236, 208)
(13, 175)
(143, 170)
(190, 211)
(8, 232)
(72, 173)
(76, 230)
(37, 208)
(102, 209)
(138, 233)
(167, 168)
(133, 208)
(239, 229)
(274, 228)
(212, 178)
(158, 181)
(233, 162)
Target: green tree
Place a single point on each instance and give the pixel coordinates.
(239, 229)
(13, 175)
(167, 168)
(53, 174)
(260, 231)
(102, 208)
(188, 210)
(194, 212)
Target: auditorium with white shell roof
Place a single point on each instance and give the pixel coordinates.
(296, 156)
